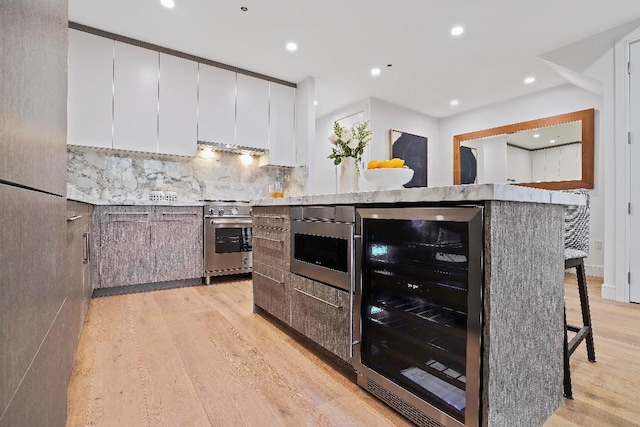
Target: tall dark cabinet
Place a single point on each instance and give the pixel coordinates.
(38, 322)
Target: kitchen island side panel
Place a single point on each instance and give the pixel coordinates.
(523, 313)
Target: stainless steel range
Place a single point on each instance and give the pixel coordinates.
(227, 239)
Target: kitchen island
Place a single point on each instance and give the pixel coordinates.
(521, 289)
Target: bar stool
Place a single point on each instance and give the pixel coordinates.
(576, 241)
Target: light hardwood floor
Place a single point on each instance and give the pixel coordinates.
(198, 356)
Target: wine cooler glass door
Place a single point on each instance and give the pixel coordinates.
(420, 303)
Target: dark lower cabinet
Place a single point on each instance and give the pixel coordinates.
(271, 290)
(125, 246)
(322, 313)
(176, 243)
(78, 258)
(147, 244)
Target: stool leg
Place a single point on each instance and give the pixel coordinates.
(586, 311)
(567, 369)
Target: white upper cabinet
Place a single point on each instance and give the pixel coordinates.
(135, 102)
(217, 105)
(281, 125)
(178, 106)
(252, 112)
(90, 90)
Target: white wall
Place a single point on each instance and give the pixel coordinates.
(382, 117)
(550, 102)
(322, 172)
(519, 165)
(494, 160)
(386, 116)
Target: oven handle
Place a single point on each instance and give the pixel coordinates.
(316, 298)
(280, 282)
(268, 239)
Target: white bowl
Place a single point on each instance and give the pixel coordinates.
(388, 178)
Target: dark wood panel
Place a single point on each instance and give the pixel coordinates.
(33, 94)
(271, 216)
(77, 256)
(41, 399)
(125, 257)
(176, 243)
(322, 313)
(32, 226)
(271, 290)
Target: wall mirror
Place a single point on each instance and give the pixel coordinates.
(554, 153)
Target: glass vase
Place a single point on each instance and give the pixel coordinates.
(348, 175)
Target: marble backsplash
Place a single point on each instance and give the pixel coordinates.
(130, 176)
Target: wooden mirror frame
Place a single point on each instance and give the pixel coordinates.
(587, 118)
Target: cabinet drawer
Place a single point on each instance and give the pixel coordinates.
(271, 248)
(271, 217)
(126, 213)
(179, 213)
(270, 291)
(323, 314)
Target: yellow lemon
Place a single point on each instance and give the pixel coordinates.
(373, 164)
(396, 163)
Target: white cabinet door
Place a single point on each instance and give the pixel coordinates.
(178, 106)
(217, 105)
(281, 125)
(90, 91)
(135, 102)
(252, 118)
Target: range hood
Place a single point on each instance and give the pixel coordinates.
(230, 148)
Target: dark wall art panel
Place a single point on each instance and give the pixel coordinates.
(413, 150)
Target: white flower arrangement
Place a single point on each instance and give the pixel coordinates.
(349, 142)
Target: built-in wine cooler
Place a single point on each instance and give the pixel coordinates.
(418, 315)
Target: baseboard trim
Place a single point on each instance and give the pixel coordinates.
(608, 292)
(590, 270)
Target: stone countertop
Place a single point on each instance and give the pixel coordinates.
(454, 193)
(136, 202)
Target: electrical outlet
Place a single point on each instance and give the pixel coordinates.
(597, 244)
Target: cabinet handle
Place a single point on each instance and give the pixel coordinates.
(127, 213)
(179, 213)
(316, 298)
(269, 217)
(270, 240)
(73, 218)
(87, 248)
(280, 282)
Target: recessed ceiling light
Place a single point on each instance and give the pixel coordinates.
(292, 46)
(456, 31)
(454, 102)
(315, 102)
(552, 141)
(169, 4)
(244, 8)
(536, 135)
(375, 71)
(529, 80)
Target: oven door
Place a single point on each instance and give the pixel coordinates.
(227, 244)
(323, 251)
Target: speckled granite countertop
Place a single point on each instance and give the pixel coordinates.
(101, 202)
(454, 193)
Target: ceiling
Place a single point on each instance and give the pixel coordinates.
(340, 41)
